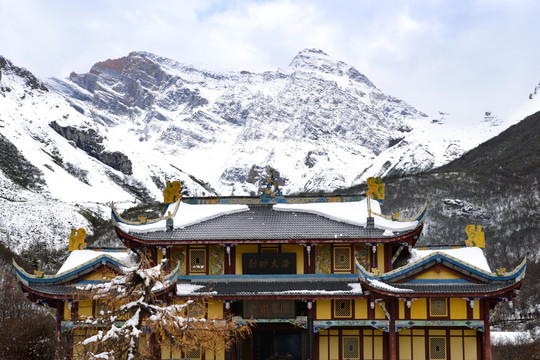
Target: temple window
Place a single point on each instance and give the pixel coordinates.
(269, 249)
(193, 354)
(197, 260)
(351, 347)
(438, 307)
(437, 348)
(342, 258)
(342, 308)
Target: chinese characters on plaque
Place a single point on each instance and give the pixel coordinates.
(269, 263)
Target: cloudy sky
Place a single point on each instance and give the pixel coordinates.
(461, 57)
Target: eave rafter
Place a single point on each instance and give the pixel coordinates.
(131, 241)
(391, 284)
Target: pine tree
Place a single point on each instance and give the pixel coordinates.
(129, 313)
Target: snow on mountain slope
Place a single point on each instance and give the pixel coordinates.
(47, 183)
(320, 123)
(120, 131)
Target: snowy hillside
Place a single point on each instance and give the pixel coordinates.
(119, 132)
(320, 123)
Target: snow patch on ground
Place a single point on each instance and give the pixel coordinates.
(510, 337)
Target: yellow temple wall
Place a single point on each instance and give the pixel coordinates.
(361, 308)
(241, 249)
(324, 309)
(215, 309)
(476, 310)
(373, 344)
(299, 251)
(380, 258)
(99, 275)
(461, 343)
(85, 308)
(419, 309)
(401, 309)
(433, 274)
(458, 308)
(412, 344)
(379, 312)
(67, 311)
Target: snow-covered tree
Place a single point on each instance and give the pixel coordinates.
(132, 323)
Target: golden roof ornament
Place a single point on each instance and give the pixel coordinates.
(142, 219)
(76, 239)
(272, 188)
(171, 193)
(476, 236)
(375, 188)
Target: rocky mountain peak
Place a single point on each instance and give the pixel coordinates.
(115, 65)
(309, 60)
(7, 68)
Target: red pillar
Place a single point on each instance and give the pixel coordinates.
(392, 337)
(487, 333)
(58, 331)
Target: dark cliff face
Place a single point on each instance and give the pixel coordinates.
(513, 153)
(31, 81)
(90, 142)
(122, 85)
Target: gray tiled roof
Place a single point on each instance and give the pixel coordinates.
(261, 222)
(452, 288)
(53, 289)
(277, 286)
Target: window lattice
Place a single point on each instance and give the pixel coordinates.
(437, 348)
(197, 260)
(342, 308)
(351, 347)
(438, 307)
(342, 258)
(193, 354)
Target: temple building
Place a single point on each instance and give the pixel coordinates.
(322, 277)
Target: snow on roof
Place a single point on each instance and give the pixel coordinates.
(187, 215)
(354, 212)
(384, 286)
(79, 257)
(471, 255)
(187, 289)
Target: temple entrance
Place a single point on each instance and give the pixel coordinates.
(272, 345)
(274, 342)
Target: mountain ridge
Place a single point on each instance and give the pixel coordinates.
(120, 131)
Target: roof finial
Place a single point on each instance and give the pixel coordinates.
(476, 236)
(76, 239)
(171, 193)
(272, 188)
(375, 188)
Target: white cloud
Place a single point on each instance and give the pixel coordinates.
(461, 57)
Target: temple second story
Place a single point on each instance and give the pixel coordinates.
(302, 235)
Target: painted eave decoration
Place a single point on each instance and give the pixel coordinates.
(396, 281)
(353, 211)
(68, 282)
(66, 275)
(182, 215)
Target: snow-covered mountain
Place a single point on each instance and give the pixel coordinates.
(120, 131)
